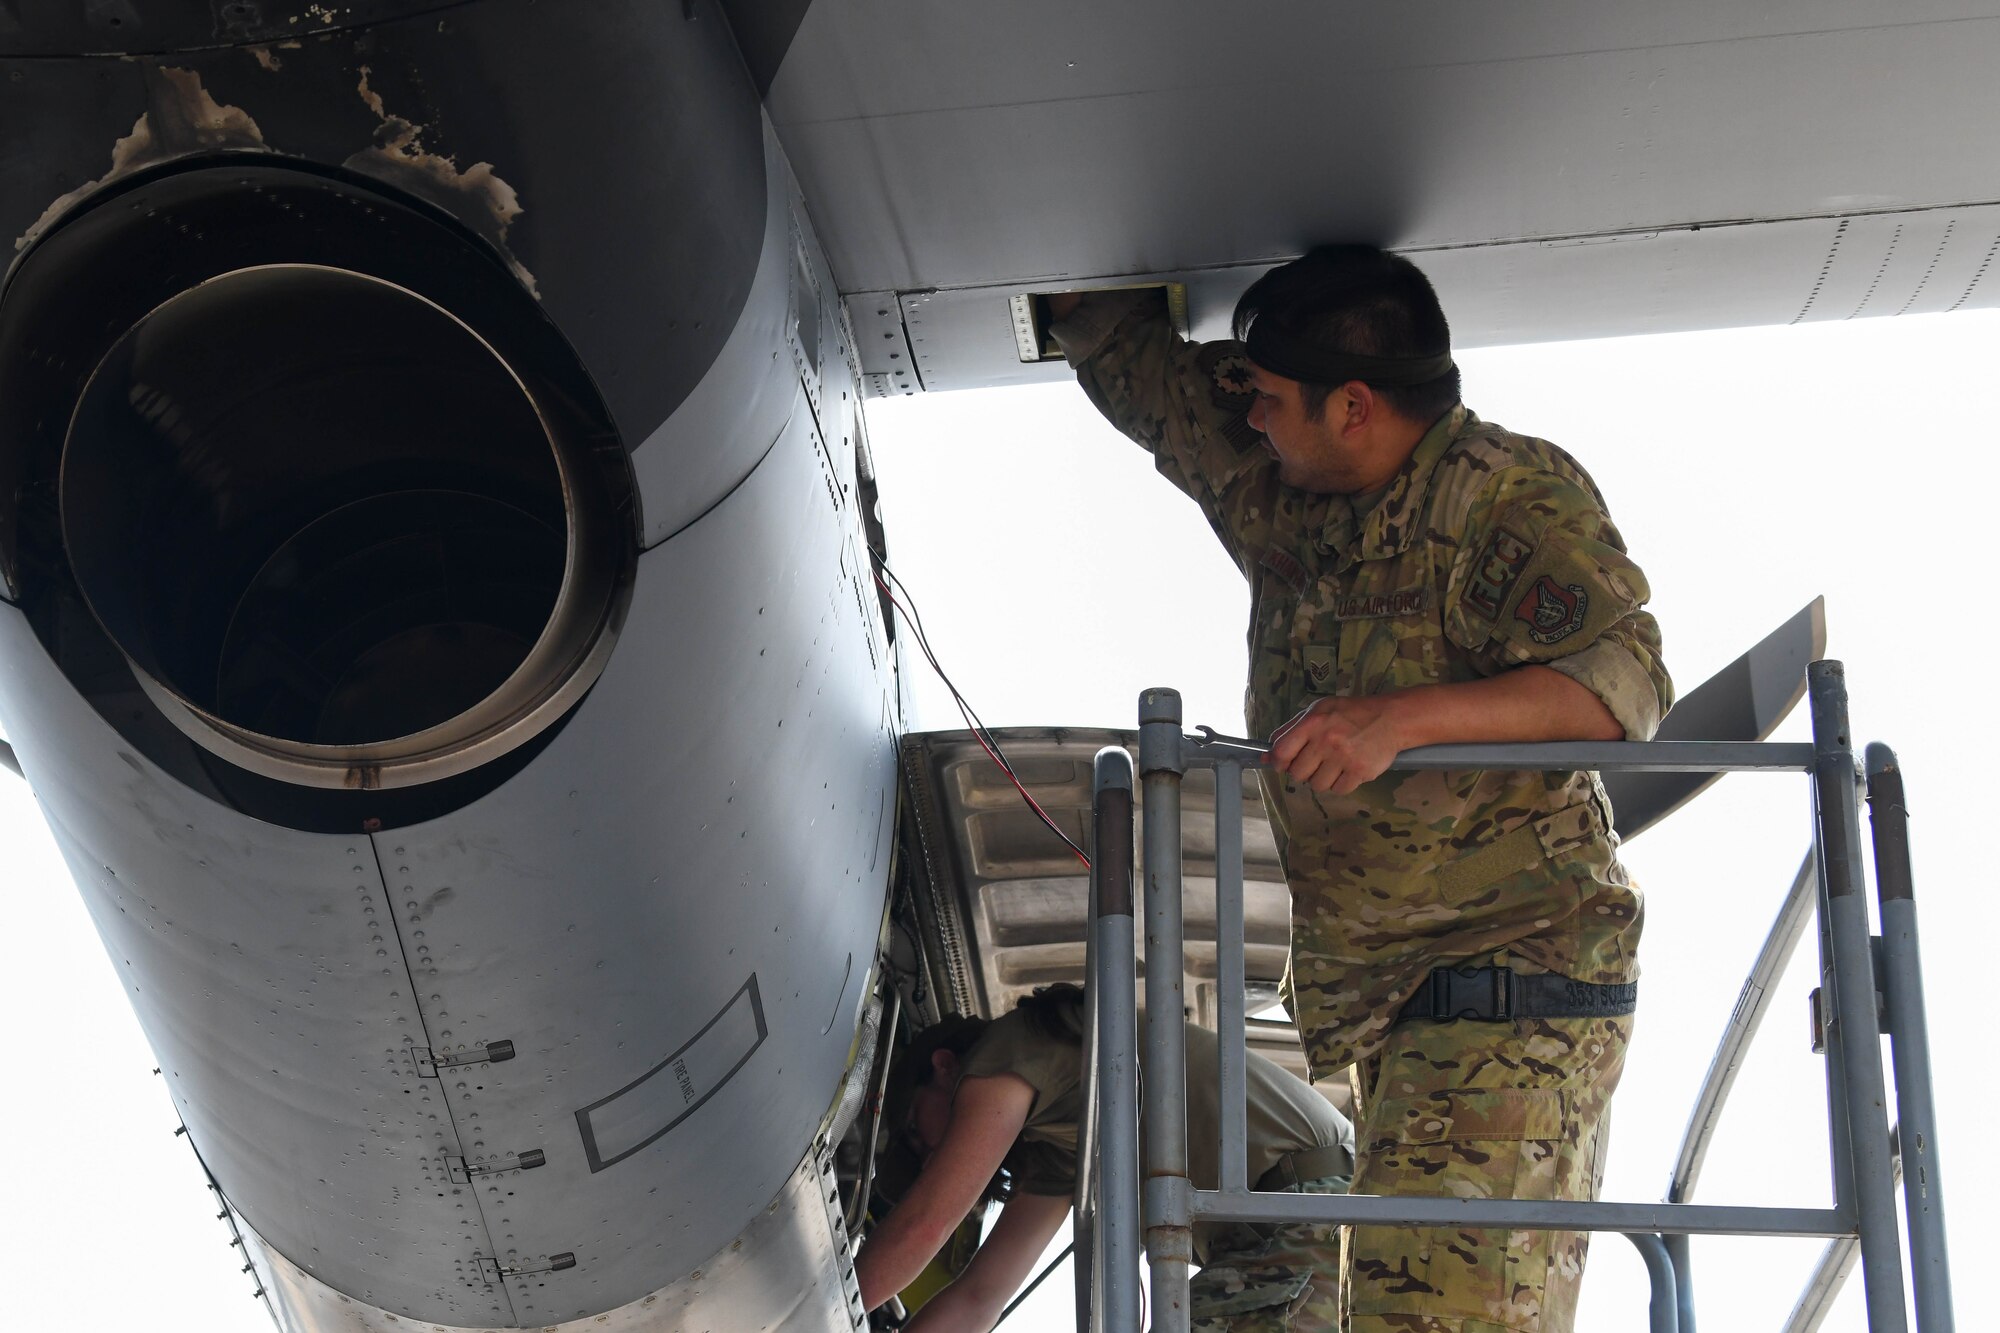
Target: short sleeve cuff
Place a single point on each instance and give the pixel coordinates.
(1085, 329)
(1609, 670)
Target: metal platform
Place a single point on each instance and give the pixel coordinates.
(1867, 1156)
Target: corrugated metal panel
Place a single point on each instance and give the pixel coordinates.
(1013, 897)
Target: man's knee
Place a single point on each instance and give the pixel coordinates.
(1519, 1280)
(1532, 1142)
(1273, 1299)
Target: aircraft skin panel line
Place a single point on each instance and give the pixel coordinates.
(716, 812)
(735, 413)
(250, 952)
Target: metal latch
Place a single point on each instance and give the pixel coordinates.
(1823, 1019)
(462, 1172)
(493, 1271)
(492, 1053)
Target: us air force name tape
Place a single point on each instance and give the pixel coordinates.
(1282, 353)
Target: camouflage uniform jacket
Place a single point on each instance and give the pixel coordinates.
(1488, 551)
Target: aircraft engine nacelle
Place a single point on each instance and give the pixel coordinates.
(436, 622)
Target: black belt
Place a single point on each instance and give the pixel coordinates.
(1297, 1168)
(1495, 994)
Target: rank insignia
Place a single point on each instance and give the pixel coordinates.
(1319, 667)
(1553, 612)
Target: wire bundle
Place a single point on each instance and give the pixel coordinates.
(980, 731)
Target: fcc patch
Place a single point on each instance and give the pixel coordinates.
(1553, 612)
(1499, 565)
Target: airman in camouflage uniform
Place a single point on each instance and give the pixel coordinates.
(1024, 1075)
(1486, 551)
(1254, 1279)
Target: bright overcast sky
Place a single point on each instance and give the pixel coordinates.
(1749, 470)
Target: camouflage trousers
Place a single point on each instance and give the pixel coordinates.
(1471, 1109)
(1270, 1279)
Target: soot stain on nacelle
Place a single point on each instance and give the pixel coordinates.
(476, 195)
(180, 119)
(183, 119)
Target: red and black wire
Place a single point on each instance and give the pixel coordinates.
(980, 731)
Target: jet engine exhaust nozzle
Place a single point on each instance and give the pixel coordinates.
(333, 532)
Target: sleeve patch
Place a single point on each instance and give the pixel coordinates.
(1552, 611)
(1232, 377)
(1230, 390)
(1505, 556)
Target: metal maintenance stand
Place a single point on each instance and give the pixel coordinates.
(1854, 967)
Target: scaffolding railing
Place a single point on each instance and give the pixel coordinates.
(1869, 986)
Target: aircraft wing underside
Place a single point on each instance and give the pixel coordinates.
(1562, 170)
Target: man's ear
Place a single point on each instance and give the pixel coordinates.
(944, 1066)
(1362, 405)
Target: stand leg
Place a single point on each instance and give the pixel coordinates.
(1857, 1024)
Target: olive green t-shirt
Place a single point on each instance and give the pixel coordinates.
(1282, 1114)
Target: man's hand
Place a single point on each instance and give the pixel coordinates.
(986, 1117)
(1061, 304)
(1335, 745)
(973, 1303)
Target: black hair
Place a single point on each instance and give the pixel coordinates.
(954, 1032)
(1056, 1011)
(912, 1068)
(1361, 301)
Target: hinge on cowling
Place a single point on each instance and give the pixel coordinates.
(428, 1063)
(462, 1171)
(493, 1270)
(836, 1222)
